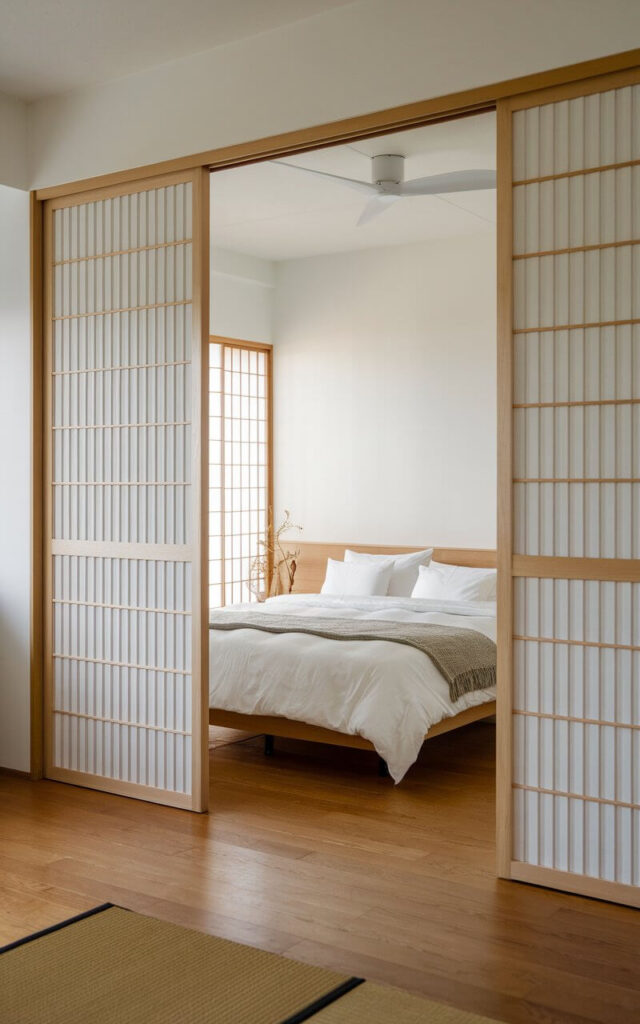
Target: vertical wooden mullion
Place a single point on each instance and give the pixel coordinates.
(48, 610)
(37, 606)
(200, 489)
(504, 745)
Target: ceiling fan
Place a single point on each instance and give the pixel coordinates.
(387, 183)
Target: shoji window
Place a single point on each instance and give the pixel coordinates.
(126, 303)
(240, 465)
(570, 519)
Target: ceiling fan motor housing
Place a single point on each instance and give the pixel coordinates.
(387, 169)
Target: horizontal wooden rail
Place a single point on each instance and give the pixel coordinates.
(79, 603)
(123, 549)
(121, 369)
(620, 570)
(122, 664)
(120, 721)
(576, 796)
(581, 172)
(578, 720)
(576, 327)
(124, 309)
(121, 252)
(569, 250)
(121, 426)
(582, 403)
(563, 642)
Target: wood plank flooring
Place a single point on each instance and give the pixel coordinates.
(309, 853)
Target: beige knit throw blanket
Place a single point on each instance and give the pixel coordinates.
(466, 658)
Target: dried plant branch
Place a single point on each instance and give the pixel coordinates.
(275, 560)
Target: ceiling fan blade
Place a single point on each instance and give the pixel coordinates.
(453, 181)
(360, 186)
(375, 207)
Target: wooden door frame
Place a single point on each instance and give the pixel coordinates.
(431, 111)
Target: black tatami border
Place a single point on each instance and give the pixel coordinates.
(56, 927)
(306, 1013)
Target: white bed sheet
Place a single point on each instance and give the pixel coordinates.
(389, 693)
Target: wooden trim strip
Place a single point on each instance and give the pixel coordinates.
(575, 248)
(576, 327)
(118, 721)
(577, 173)
(125, 309)
(121, 787)
(583, 885)
(120, 607)
(575, 643)
(123, 549)
(393, 119)
(121, 252)
(576, 404)
(575, 718)
(123, 664)
(617, 570)
(119, 369)
(255, 346)
(576, 480)
(576, 796)
(120, 426)
(120, 483)
(38, 519)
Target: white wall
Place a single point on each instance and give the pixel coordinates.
(13, 142)
(348, 61)
(15, 439)
(385, 394)
(241, 296)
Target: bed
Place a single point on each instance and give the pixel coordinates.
(369, 693)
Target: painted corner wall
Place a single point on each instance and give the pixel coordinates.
(379, 54)
(13, 142)
(385, 394)
(241, 295)
(15, 478)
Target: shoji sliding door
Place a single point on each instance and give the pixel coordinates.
(126, 340)
(569, 768)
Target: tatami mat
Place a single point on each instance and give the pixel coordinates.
(377, 1004)
(117, 967)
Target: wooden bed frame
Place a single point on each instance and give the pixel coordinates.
(309, 578)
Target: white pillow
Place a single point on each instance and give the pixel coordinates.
(346, 579)
(405, 568)
(455, 583)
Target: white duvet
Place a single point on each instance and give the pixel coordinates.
(387, 692)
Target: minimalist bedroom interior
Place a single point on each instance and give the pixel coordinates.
(352, 464)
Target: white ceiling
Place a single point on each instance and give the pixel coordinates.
(51, 46)
(278, 213)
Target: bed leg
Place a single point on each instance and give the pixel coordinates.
(268, 745)
(383, 770)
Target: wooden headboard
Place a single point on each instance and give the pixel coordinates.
(312, 562)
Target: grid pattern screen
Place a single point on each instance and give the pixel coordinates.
(239, 471)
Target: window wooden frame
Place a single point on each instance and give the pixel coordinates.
(267, 350)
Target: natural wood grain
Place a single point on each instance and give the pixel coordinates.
(36, 257)
(312, 563)
(430, 111)
(312, 855)
(620, 570)
(278, 726)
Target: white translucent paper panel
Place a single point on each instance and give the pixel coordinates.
(589, 131)
(577, 681)
(588, 209)
(600, 840)
(121, 427)
(151, 218)
(146, 757)
(577, 520)
(596, 364)
(238, 469)
(596, 286)
(122, 663)
(589, 611)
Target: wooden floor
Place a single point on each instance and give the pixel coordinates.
(310, 854)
